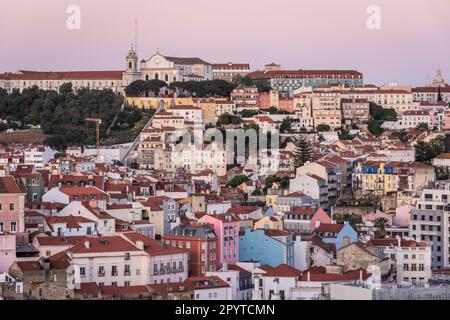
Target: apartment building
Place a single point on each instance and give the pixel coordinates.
(430, 221)
(326, 109)
(245, 98)
(355, 111)
(201, 243)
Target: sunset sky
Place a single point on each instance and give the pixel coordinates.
(319, 34)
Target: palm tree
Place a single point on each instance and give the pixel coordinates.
(381, 223)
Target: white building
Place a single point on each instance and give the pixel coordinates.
(175, 69)
(38, 156)
(239, 280)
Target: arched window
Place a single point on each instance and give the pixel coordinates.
(166, 77)
(130, 65)
(157, 76)
(146, 77)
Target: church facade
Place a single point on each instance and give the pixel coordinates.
(173, 69)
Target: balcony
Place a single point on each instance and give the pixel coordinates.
(127, 273)
(114, 274)
(101, 273)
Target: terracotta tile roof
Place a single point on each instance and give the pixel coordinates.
(72, 222)
(65, 75)
(329, 227)
(231, 66)
(72, 191)
(104, 244)
(275, 233)
(29, 265)
(283, 271)
(89, 288)
(59, 241)
(200, 283)
(242, 271)
(320, 275)
(10, 185)
(154, 247)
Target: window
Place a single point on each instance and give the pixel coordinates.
(82, 272)
(188, 244)
(114, 283)
(114, 271)
(13, 226)
(126, 270)
(11, 207)
(101, 271)
(1, 207)
(405, 267)
(127, 256)
(1, 227)
(48, 253)
(126, 283)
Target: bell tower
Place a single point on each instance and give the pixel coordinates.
(131, 61)
(131, 73)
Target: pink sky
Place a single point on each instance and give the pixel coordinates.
(319, 34)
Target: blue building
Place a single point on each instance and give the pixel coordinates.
(269, 247)
(338, 234)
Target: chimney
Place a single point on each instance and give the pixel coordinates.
(308, 276)
(360, 275)
(140, 245)
(87, 244)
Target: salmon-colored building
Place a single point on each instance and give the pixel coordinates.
(12, 219)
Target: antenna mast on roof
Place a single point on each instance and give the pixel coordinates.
(135, 34)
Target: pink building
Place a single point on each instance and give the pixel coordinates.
(319, 217)
(12, 219)
(446, 121)
(286, 104)
(245, 98)
(226, 229)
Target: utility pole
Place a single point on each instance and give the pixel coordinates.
(97, 122)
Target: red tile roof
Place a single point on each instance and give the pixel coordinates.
(11, 185)
(283, 270)
(329, 227)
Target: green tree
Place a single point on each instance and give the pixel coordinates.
(374, 127)
(323, 127)
(352, 219)
(238, 180)
(286, 125)
(381, 224)
(257, 192)
(442, 172)
(65, 88)
(423, 125)
(302, 153)
(427, 151)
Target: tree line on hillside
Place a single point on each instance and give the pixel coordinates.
(198, 89)
(62, 114)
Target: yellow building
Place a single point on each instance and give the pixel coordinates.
(271, 201)
(224, 106)
(152, 103)
(272, 223)
(209, 110)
